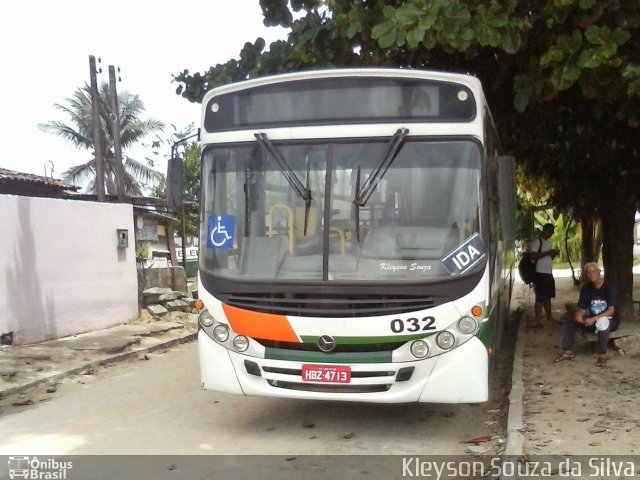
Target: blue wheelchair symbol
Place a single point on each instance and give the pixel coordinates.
(221, 230)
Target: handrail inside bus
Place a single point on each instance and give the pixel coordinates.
(292, 241)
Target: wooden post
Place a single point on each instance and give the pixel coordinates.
(172, 245)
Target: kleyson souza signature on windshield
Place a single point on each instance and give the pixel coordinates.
(409, 268)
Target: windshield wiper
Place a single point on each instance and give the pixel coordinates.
(304, 192)
(357, 212)
(393, 149)
(212, 173)
(247, 199)
(363, 194)
(307, 204)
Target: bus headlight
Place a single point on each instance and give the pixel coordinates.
(240, 343)
(419, 349)
(467, 325)
(221, 333)
(445, 340)
(206, 319)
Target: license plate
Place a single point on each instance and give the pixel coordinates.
(326, 374)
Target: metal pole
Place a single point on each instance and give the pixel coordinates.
(115, 127)
(95, 106)
(184, 239)
(174, 149)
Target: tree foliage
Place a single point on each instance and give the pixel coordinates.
(548, 46)
(562, 76)
(80, 133)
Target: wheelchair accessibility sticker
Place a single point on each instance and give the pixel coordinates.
(464, 257)
(221, 230)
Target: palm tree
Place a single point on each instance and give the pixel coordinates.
(80, 133)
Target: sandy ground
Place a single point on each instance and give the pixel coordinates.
(157, 406)
(574, 407)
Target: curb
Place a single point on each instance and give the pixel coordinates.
(98, 363)
(515, 439)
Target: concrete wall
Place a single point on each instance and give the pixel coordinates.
(61, 272)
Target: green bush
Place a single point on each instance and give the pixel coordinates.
(142, 252)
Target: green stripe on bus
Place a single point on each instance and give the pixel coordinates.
(321, 357)
(368, 340)
(484, 334)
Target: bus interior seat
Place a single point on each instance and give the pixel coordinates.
(311, 242)
(262, 256)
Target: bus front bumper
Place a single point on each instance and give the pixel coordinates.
(458, 376)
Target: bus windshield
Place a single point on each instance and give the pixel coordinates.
(325, 211)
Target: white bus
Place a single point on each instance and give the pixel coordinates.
(356, 237)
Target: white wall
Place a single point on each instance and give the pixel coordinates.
(61, 272)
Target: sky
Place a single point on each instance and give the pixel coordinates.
(44, 57)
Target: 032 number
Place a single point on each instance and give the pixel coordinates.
(413, 324)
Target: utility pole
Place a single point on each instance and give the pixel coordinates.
(95, 104)
(115, 130)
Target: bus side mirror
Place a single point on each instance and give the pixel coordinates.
(507, 192)
(174, 183)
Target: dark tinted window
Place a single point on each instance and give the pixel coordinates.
(340, 101)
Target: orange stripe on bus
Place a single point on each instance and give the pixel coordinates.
(260, 325)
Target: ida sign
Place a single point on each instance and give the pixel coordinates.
(465, 256)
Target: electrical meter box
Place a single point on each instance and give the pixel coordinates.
(123, 238)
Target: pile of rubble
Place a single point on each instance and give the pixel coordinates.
(160, 301)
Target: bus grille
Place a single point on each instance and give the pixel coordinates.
(310, 305)
(340, 348)
(354, 374)
(315, 387)
(374, 381)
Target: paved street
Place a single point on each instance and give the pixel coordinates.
(158, 407)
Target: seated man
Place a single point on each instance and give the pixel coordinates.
(596, 313)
